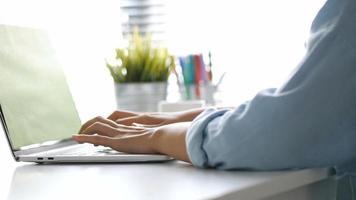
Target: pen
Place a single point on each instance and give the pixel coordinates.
(210, 73)
(185, 73)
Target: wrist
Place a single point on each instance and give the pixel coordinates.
(188, 115)
(156, 140)
(170, 140)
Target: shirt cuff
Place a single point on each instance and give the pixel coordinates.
(196, 135)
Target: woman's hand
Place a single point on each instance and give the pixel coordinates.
(166, 139)
(148, 119)
(154, 119)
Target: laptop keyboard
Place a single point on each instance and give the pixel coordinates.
(83, 150)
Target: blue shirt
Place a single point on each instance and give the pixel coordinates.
(310, 121)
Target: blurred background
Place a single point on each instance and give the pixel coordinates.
(257, 43)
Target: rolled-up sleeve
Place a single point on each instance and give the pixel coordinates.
(274, 132)
(196, 139)
(308, 122)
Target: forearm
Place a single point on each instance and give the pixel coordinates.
(170, 140)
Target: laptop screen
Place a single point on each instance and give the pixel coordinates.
(35, 98)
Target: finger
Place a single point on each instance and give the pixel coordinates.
(131, 130)
(121, 114)
(146, 125)
(94, 139)
(125, 127)
(141, 119)
(101, 129)
(97, 119)
(127, 121)
(107, 130)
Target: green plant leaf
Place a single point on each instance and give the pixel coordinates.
(141, 62)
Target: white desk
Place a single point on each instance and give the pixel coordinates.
(170, 180)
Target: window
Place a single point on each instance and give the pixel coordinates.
(148, 15)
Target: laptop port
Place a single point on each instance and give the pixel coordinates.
(39, 158)
(50, 158)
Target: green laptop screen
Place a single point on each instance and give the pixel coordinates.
(34, 95)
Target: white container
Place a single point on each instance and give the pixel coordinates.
(142, 97)
(205, 92)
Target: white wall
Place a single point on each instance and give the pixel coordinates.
(257, 42)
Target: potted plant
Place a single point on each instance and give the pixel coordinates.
(140, 72)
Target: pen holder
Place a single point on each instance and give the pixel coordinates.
(204, 91)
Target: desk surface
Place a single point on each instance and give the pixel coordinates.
(169, 180)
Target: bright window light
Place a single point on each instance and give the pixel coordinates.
(258, 43)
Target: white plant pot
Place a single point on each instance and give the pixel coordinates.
(143, 97)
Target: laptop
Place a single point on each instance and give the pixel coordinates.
(37, 111)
